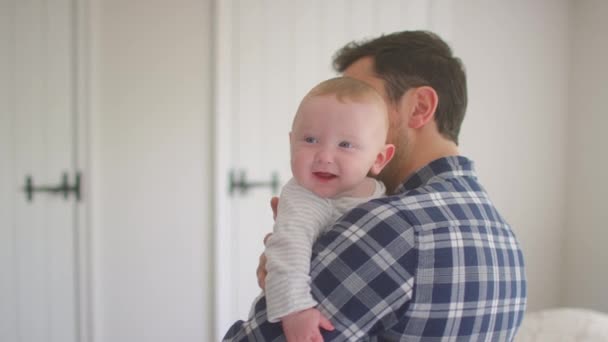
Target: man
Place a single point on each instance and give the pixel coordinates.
(435, 260)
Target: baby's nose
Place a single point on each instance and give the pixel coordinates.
(324, 156)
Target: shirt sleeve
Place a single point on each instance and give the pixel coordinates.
(363, 271)
(300, 218)
(362, 277)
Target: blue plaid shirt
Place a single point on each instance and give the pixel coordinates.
(434, 262)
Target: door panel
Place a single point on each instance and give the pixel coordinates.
(269, 54)
(38, 118)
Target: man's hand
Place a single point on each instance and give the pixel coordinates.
(261, 271)
(304, 326)
(274, 204)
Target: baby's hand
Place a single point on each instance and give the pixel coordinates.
(303, 326)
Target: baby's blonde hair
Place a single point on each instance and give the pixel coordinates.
(346, 88)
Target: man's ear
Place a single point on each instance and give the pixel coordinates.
(425, 101)
(383, 157)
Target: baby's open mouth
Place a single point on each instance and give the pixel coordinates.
(325, 175)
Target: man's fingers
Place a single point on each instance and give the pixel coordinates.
(266, 239)
(274, 204)
(261, 272)
(325, 323)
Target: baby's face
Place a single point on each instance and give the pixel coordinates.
(335, 144)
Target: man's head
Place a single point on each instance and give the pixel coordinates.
(424, 86)
(338, 136)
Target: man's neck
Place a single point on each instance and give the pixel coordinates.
(426, 151)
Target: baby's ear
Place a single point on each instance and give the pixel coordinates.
(384, 156)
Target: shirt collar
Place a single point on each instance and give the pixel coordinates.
(442, 168)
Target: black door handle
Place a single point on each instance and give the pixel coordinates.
(64, 188)
(243, 185)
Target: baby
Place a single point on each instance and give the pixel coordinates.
(338, 138)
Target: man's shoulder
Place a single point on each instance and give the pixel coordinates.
(441, 202)
(406, 201)
(370, 225)
(372, 228)
(380, 207)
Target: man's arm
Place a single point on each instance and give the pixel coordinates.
(363, 271)
(362, 276)
(256, 328)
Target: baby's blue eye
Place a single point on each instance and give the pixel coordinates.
(345, 144)
(310, 140)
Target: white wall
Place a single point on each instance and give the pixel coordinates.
(8, 316)
(585, 271)
(516, 55)
(151, 170)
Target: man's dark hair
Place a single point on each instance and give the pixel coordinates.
(412, 59)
